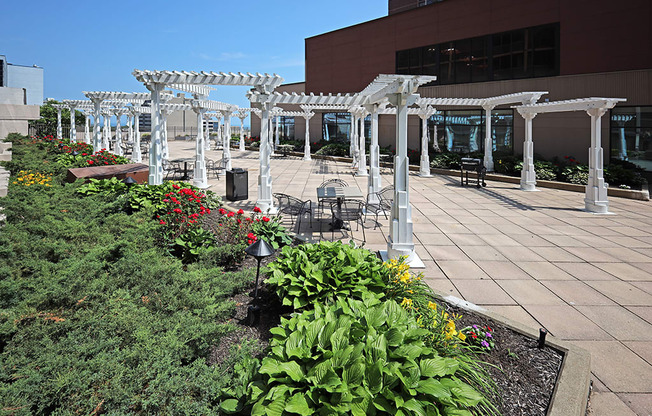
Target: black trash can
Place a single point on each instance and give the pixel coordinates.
(237, 181)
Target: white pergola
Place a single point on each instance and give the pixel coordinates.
(156, 81)
(488, 104)
(73, 105)
(596, 200)
(242, 114)
(97, 97)
(59, 108)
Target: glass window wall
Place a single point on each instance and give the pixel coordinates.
(631, 135)
(462, 131)
(336, 127)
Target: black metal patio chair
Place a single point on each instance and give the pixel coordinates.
(294, 207)
(347, 211)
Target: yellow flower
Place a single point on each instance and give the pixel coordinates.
(407, 303)
(432, 305)
(461, 336)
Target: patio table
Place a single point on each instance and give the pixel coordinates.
(340, 193)
(185, 161)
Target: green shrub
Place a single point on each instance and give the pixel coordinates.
(334, 149)
(624, 174)
(509, 165)
(312, 273)
(544, 171)
(356, 358)
(577, 174)
(272, 231)
(446, 160)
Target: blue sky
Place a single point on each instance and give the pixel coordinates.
(95, 45)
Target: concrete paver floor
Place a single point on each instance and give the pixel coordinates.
(534, 257)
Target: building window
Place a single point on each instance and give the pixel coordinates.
(336, 127)
(631, 135)
(524, 53)
(463, 131)
(285, 127)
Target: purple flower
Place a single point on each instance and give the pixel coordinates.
(485, 344)
(475, 327)
(488, 334)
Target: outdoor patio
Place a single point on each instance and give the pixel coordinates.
(534, 257)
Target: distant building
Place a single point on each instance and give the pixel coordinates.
(29, 78)
(21, 94)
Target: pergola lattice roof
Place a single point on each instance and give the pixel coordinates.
(115, 95)
(262, 82)
(580, 104)
(519, 97)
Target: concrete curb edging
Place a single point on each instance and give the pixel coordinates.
(571, 393)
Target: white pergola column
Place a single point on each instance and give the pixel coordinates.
(219, 140)
(355, 149)
(97, 133)
(130, 129)
(106, 131)
(352, 137)
(226, 154)
(306, 146)
(118, 134)
(73, 128)
(207, 133)
(362, 158)
(155, 151)
(424, 115)
(488, 140)
(400, 239)
(200, 179)
(165, 149)
(87, 127)
(136, 156)
(374, 182)
(528, 176)
(277, 140)
(242, 117)
(59, 127)
(596, 189)
(265, 201)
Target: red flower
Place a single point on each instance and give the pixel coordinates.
(230, 214)
(256, 209)
(265, 219)
(489, 328)
(175, 186)
(250, 242)
(90, 162)
(162, 222)
(177, 210)
(222, 211)
(250, 236)
(240, 211)
(473, 335)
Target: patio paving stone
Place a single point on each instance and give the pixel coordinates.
(567, 323)
(462, 269)
(541, 270)
(483, 292)
(617, 367)
(575, 292)
(516, 313)
(584, 271)
(642, 348)
(640, 403)
(625, 271)
(608, 404)
(499, 270)
(643, 312)
(622, 293)
(618, 322)
(529, 292)
(519, 253)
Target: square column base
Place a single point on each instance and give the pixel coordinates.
(596, 207)
(413, 259)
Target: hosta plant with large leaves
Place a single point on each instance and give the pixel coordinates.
(322, 272)
(357, 358)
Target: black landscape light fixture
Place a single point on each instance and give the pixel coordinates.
(259, 250)
(129, 181)
(542, 337)
(75, 153)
